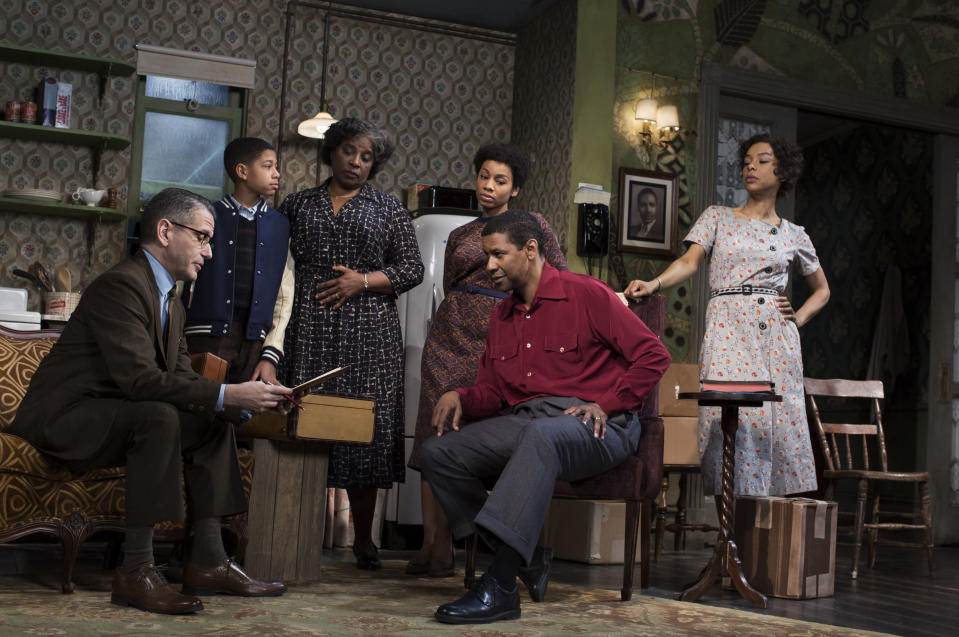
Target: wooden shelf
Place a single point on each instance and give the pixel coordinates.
(69, 136)
(60, 209)
(57, 59)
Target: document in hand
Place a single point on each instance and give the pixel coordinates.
(305, 387)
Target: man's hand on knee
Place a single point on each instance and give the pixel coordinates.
(448, 406)
(591, 414)
(258, 397)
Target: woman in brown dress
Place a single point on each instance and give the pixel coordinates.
(457, 337)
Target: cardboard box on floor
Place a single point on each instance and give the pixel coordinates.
(681, 440)
(679, 377)
(591, 531)
(787, 546)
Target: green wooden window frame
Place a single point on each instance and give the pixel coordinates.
(234, 114)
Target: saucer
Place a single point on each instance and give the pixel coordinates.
(30, 193)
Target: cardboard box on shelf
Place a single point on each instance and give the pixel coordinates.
(679, 377)
(64, 100)
(787, 546)
(47, 101)
(681, 446)
(591, 531)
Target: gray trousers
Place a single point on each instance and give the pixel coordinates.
(525, 451)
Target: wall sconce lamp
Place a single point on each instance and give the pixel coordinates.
(665, 117)
(316, 126)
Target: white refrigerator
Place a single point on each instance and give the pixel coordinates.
(416, 309)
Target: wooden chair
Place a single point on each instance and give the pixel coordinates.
(842, 464)
(637, 481)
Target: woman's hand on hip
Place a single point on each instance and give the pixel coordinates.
(786, 309)
(638, 289)
(336, 291)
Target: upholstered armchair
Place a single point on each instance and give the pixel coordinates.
(39, 496)
(637, 481)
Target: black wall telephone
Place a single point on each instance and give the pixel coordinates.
(593, 235)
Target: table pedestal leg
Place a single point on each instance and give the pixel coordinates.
(725, 556)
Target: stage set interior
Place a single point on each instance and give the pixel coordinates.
(868, 89)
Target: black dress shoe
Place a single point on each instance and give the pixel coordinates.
(367, 560)
(484, 603)
(536, 575)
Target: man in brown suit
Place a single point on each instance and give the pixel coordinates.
(118, 389)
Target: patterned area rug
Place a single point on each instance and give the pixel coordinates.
(354, 602)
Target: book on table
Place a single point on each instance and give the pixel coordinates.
(738, 386)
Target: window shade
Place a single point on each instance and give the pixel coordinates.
(191, 65)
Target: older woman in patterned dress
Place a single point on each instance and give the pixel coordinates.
(753, 332)
(457, 337)
(354, 251)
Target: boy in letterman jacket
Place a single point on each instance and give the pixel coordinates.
(241, 300)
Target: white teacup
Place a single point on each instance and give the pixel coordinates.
(89, 196)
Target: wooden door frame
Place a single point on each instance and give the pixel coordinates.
(942, 387)
(717, 80)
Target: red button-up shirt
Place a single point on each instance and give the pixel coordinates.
(576, 339)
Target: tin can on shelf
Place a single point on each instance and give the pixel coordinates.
(13, 112)
(28, 113)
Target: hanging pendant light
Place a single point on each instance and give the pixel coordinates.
(317, 125)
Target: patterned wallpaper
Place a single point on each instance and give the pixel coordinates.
(439, 96)
(901, 49)
(864, 203)
(543, 113)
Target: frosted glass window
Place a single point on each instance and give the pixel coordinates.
(183, 152)
(169, 88)
(729, 176)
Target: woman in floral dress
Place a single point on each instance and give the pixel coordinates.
(457, 337)
(752, 331)
(354, 251)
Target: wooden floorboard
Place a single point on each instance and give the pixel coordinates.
(898, 596)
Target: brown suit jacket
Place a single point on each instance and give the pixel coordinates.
(111, 348)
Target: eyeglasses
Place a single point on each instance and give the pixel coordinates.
(201, 236)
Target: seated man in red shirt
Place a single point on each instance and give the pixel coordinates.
(567, 366)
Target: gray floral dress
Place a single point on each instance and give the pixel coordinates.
(372, 231)
(747, 338)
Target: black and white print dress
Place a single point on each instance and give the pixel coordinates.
(371, 232)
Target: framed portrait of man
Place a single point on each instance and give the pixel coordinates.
(647, 212)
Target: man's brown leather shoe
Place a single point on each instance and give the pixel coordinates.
(227, 578)
(148, 590)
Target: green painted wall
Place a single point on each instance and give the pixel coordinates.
(593, 98)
